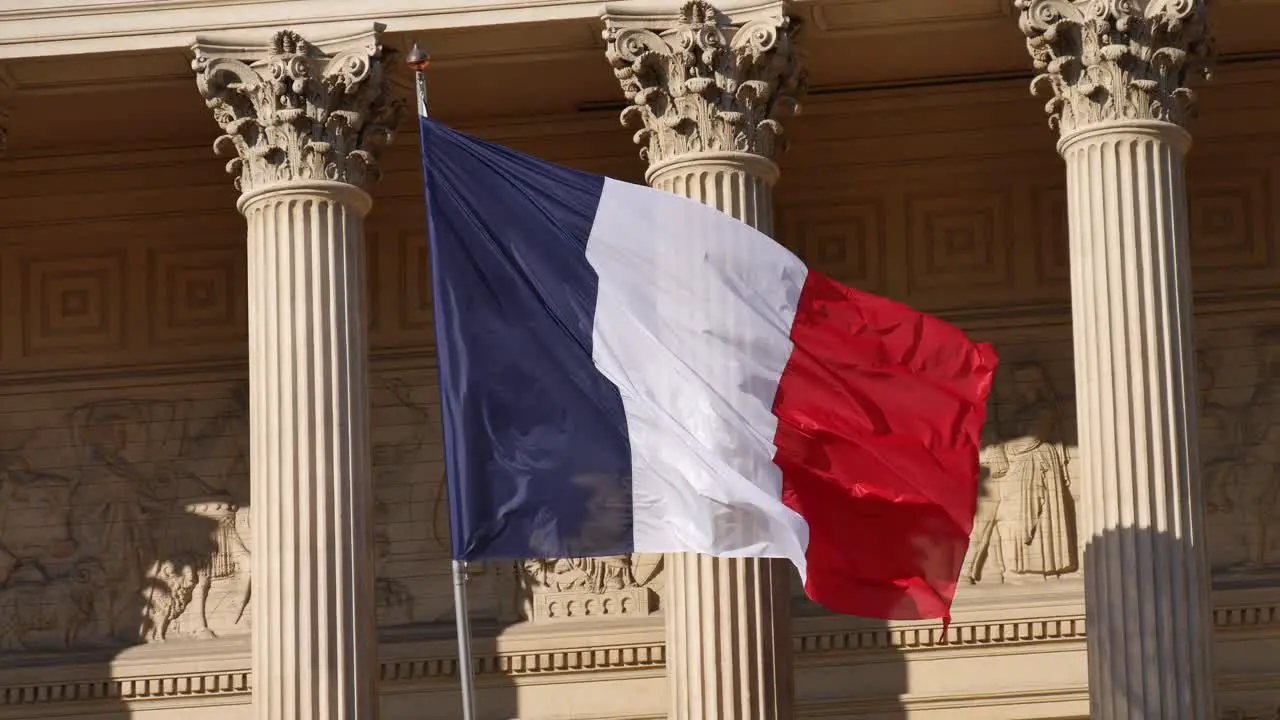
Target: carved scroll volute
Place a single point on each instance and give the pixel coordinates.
(703, 83)
(292, 112)
(1114, 60)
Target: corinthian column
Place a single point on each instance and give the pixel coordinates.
(1116, 72)
(301, 126)
(706, 90)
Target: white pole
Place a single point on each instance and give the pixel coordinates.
(418, 62)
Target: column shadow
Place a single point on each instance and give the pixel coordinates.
(1166, 630)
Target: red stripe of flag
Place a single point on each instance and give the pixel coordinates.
(880, 412)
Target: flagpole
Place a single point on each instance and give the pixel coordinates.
(418, 62)
(466, 668)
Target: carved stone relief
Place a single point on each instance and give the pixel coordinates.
(124, 517)
(1240, 459)
(412, 534)
(563, 589)
(409, 426)
(121, 521)
(1025, 526)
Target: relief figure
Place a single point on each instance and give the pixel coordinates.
(127, 448)
(35, 516)
(132, 543)
(397, 452)
(33, 602)
(1025, 524)
(1259, 479)
(1220, 442)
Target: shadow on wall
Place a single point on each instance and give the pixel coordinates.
(110, 537)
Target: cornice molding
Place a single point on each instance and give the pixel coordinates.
(70, 27)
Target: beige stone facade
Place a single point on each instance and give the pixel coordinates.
(148, 300)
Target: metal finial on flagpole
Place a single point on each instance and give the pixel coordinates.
(418, 62)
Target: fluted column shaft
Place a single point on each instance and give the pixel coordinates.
(727, 619)
(314, 633)
(1147, 587)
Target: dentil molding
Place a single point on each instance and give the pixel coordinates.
(1113, 60)
(222, 674)
(292, 111)
(705, 82)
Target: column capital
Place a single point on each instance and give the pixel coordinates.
(1116, 60)
(295, 111)
(701, 81)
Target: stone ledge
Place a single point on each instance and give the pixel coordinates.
(995, 706)
(413, 660)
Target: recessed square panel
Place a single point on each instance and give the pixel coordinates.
(958, 242)
(1227, 214)
(198, 294)
(73, 303)
(843, 241)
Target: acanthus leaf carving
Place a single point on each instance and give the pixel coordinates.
(705, 84)
(299, 114)
(1114, 60)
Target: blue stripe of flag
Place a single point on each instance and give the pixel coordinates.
(536, 451)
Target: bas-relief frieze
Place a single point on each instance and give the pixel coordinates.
(122, 520)
(122, 516)
(1025, 528)
(1240, 454)
(562, 589)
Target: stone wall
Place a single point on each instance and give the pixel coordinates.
(123, 418)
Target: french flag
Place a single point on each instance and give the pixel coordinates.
(625, 370)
